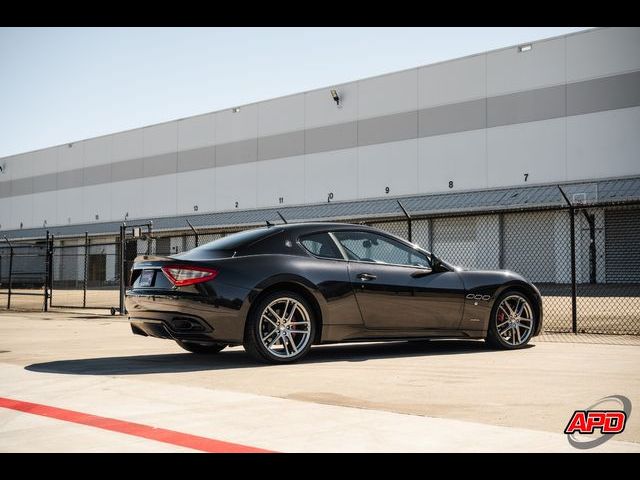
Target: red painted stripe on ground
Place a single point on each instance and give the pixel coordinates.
(172, 437)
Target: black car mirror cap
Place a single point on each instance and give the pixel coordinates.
(423, 272)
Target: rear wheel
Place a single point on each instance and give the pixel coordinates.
(280, 329)
(512, 321)
(207, 348)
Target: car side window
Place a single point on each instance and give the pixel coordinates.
(371, 247)
(321, 245)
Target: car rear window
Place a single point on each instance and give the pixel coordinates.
(233, 242)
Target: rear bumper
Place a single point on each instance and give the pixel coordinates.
(177, 318)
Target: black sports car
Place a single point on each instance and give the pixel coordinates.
(279, 289)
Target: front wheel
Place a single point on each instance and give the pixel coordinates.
(512, 321)
(205, 348)
(280, 329)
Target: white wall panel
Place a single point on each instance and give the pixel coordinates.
(236, 183)
(196, 132)
(70, 158)
(510, 70)
(196, 188)
(126, 196)
(321, 110)
(331, 172)
(159, 139)
(604, 144)
(97, 151)
(71, 203)
(451, 82)
(21, 166)
(158, 196)
(602, 52)
(21, 211)
(45, 161)
(393, 93)
(457, 157)
(536, 148)
(97, 201)
(281, 115)
(45, 208)
(128, 145)
(282, 177)
(234, 126)
(5, 213)
(393, 165)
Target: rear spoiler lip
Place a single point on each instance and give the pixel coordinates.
(152, 258)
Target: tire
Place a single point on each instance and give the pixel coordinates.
(201, 348)
(511, 326)
(280, 329)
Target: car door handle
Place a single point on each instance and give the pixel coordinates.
(366, 276)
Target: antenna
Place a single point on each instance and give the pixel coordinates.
(269, 224)
(280, 215)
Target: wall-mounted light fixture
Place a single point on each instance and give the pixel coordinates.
(235, 109)
(3, 168)
(97, 217)
(336, 97)
(525, 48)
(195, 208)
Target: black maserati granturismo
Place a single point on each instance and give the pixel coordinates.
(279, 289)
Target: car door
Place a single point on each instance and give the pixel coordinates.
(395, 287)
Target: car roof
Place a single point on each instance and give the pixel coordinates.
(316, 226)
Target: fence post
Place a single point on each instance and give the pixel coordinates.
(86, 267)
(572, 232)
(195, 232)
(122, 268)
(409, 223)
(501, 241)
(10, 272)
(47, 273)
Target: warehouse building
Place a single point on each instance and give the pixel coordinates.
(488, 132)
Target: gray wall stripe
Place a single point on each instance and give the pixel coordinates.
(456, 117)
(331, 137)
(234, 153)
(607, 93)
(196, 159)
(160, 164)
(72, 178)
(97, 174)
(280, 146)
(529, 106)
(389, 128)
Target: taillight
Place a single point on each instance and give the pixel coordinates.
(183, 275)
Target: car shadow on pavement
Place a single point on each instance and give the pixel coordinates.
(237, 358)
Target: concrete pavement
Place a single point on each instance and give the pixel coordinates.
(441, 396)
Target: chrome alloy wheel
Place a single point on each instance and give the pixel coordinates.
(285, 327)
(514, 320)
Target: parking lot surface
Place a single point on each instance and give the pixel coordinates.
(77, 381)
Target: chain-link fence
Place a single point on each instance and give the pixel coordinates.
(85, 273)
(589, 275)
(24, 275)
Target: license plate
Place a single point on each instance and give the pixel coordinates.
(146, 279)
